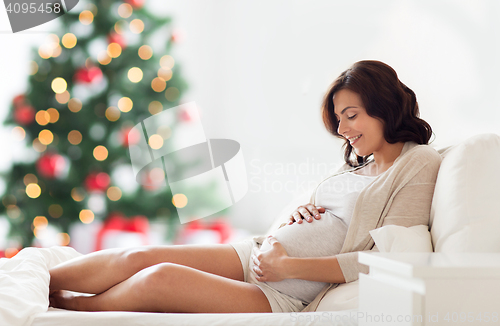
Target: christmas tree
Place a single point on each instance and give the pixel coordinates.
(109, 68)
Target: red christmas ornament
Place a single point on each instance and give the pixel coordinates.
(24, 114)
(185, 116)
(116, 221)
(117, 38)
(97, 181)
(88, 75)
(129, 136)
(136, 4)
(50, 165)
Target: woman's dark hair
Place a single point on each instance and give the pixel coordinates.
(384, 97)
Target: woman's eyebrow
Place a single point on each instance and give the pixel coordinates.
(347, 107)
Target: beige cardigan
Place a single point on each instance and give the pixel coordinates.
(402, 195)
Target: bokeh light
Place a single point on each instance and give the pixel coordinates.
(172, 94)
(155, 107)
(18, 133)
(125, 10)
(78, 194)
(33, 67)
(38, 146)
(33, 190)
(74, 105)
(158, 84)
(179, 200)
(63, 98)
(45, 136)
(75, 137)
(114, 193)
(86, 17)
(42, 117)
(112, 113)
(59, 85)
(29, 178)
(103, 58)
(165, 74)
(125, 104)
(86, 216)
(136, 26)
(69, 40)
(40, 222)
(114, 50)
(145, 52)
(167, 62)
(155, 141)
(54, 115)
(135, 74)
(63, 239)
(100, 153)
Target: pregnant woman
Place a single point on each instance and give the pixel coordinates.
(388, 178)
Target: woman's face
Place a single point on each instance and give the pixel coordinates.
(365, 133)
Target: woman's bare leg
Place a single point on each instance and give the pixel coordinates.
(97, 272)
(174, 288)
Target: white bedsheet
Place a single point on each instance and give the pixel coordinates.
(24, 284)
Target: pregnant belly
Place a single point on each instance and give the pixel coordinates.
(319, 238)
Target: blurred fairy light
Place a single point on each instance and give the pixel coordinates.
(63, 239)
(40, 222)
(75, 137)
(157, 174)
(145, 52)
(112, 113)
(114, 50)
(86, 216)
(179, 200)
(96, 203)
(78, 194)
(69, 40)
(100, 153)
(55, 210)
(125, 10)
(9, 200)
(135, 74)
(86, 17)
(155, 141)
(167, 62)
(33, 68)
(19, 133)
(158, 84)
(103, 58)
(13, 212)
(114, 193)
(120, 26)
(63, 98)
(171, 94)
(45, 137)
(30, 178)
(125, 104)
(38, 146)
(155, 107)
(74, 105)
(136, 26)
(33, 190)
(59, 85)
(54, 114)
(165, 74)
(42, 117)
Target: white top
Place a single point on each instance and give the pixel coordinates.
(323, 237)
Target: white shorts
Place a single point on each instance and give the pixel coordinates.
(279, 302)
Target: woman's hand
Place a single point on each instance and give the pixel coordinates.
(269, 265)
(306, 212)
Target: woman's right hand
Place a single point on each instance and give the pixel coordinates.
(306, 212)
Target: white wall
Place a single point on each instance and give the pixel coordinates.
(258, 70)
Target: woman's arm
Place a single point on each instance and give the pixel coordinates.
(275, 265)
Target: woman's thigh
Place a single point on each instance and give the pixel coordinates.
(218, 259)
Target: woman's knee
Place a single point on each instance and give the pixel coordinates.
(160, 276)
(136, 258)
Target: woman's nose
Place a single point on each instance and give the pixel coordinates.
(341, 128)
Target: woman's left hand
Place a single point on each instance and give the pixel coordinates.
(269, 265)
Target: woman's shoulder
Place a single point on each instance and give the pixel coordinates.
(425, 153)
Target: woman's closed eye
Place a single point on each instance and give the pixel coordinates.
(352, 117)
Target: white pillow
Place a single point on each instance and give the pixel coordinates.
(395, 238)
(465, 212)
(343, 297)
